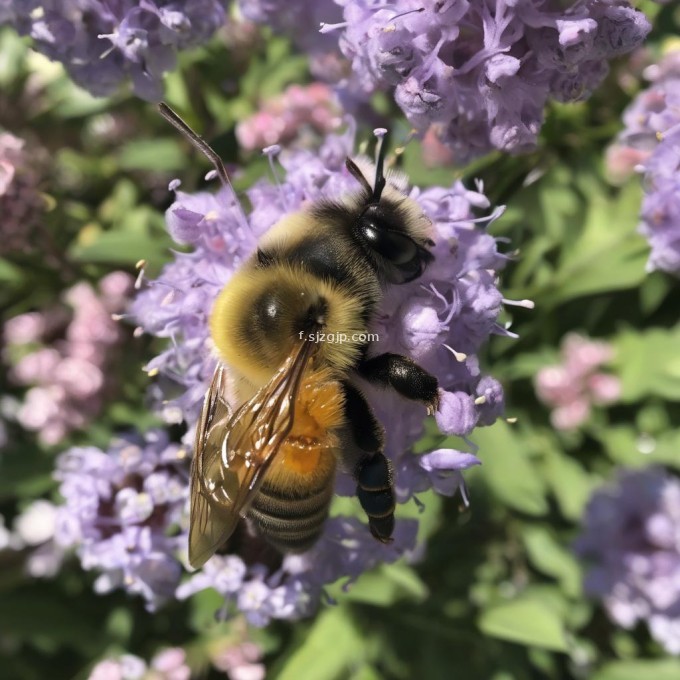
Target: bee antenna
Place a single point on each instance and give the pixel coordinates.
(200, 144)
(353, 169)
(379, 184)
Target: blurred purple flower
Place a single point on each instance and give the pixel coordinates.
(650, 144)
(103, 43)
(631, 540)
(480, 72)
(573, 386)
(115, 517)
(441, 319)
(67, 378)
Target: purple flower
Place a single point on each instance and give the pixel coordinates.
(102, 43)
(631, 540)
(478, 73)
(115, 517)
(441, 319)
(650, 143)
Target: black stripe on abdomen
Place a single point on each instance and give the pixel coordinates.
(289, 522)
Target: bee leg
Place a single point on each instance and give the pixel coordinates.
(367, 432)
(372, 470)
(376, 495)
(403, 375)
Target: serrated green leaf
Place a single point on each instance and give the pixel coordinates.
(508, 470)
(526, 622)
(332, 648)
(658, 669)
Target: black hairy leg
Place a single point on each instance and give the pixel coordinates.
(376, 495)
(367, 432)
(403, 375)
(372, 470)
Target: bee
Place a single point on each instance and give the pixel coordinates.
(298, 413)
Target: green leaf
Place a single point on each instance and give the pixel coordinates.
(550, 557)
(607, 253)
(627, 446)
(156, 155)
(569, 482)
(332, 648)
(508, 470)
(653, 291)
(383, 586)
(37, 612)
(10, 274)
(661, 669)
(526, 622)
(25, 471)
(648, 363)
(142, 237)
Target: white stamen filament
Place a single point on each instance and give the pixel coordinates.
(460, 356)
(328, 28)
(527, 304)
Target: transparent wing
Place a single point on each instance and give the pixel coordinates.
(209, 525)
(233, 451)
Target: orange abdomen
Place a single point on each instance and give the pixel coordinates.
(292, 503)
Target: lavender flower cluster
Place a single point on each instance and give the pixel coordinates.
(101, 43)
(478, 73)
(441, 320)
(67, 376)
(631, 538)
(122, 511)
(572, 387)
(650, 143)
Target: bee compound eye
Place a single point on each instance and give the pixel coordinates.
(395, 247)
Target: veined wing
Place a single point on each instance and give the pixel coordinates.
(233, 451)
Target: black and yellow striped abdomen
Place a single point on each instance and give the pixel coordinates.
(291, 506)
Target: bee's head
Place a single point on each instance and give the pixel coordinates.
(391, 228)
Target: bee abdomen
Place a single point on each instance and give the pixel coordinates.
(289, 522)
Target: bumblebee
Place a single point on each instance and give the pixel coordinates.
(298, 414)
